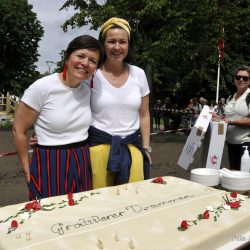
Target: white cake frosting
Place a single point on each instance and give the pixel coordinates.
(141, 215)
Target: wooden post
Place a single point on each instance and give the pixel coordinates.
(7, 104)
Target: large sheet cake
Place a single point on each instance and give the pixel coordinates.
(142, 215)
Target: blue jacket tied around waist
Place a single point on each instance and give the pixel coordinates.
(120, 157)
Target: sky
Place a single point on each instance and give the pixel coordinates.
(54, 39)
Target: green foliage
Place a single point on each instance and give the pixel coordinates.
(178, 39)
(6, 123)
(20, 32)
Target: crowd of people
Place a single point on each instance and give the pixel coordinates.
(195, 106)
(235, 111)
(166, 113)
(171, 115)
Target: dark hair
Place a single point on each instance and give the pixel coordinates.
(85, 42)
(242, 68)
(102, 38)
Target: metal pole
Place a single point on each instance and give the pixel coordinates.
(218, 82)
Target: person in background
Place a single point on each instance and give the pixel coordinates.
(120, 131)
(166, 112)
(223, 101)
(58, 105)
(175, 117)
(190, 105)
(213, 105)
(196, 111)
(193, 112)
(220, 110)
(158, 114)
(237, 116)
(202, 102)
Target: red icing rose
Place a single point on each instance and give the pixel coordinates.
(206, 215)
(234, 194)
(159, 180)
(28, 206)
(71, 202)
(70, 196)
(14, 224)
(233, 204)
(35, 205)
(184, 224)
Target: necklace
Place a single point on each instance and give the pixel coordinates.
(116, 79)
(111, 77)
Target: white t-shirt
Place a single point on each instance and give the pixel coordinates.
(235, 110)
(64, 112)
(116, 110)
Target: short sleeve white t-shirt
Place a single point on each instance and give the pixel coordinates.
(64, 112)
(116, 110)
(234, 110)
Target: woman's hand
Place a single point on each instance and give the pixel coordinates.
(215, 116)
(27, 176)
(149, 157)
(33, 141)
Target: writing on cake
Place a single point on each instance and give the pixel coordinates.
(125, 213)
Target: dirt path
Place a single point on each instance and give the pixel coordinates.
(166, 152)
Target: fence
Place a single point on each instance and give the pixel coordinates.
(8, 104)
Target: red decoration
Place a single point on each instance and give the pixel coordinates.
(65, 68)
(14, 224)
(234, 194)
(35, 205)
(159, 180)
(70, 196)
(71, 202)
(221, 46)
(233, 204)
(214, 159)
(206, 215)
(184, 224)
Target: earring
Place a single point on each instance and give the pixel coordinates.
(65, 68)
(92, 82)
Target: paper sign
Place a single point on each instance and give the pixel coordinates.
(194, 139)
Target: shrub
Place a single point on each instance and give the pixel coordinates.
(6, 123)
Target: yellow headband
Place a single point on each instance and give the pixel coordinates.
(115, 21)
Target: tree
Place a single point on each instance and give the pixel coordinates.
(178, 39)
(20, 33)
(236, 16)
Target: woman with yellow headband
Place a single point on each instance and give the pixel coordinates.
(120, 131)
